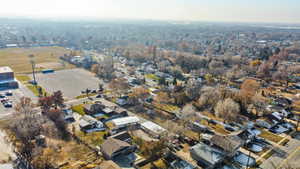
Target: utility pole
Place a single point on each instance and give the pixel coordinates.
(298, 120)
(33, 68)
(248, 160)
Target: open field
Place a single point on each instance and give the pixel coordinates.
(18, 60)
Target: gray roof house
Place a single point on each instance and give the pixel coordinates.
(228, 144)
(112, 148)
(206, 156)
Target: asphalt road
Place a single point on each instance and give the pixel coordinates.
(71, 81)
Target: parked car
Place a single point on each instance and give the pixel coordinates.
(3, 100)
(8, 93)
(2, 96)
(229, 128)
(8, 104)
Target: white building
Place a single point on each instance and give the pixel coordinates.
(125, 121)
(153, 129)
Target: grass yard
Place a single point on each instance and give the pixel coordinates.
(284, 142)
(160, 164)
(270, 136)
(218, 128)
(191, 134)
(166, 107)
(93, 139)
(69, 155)
(35, 90)
(78, 109)
(268, 155)
(23, 78)
(18, 60)
(152, 76)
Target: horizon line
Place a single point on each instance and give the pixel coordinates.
(91, 18)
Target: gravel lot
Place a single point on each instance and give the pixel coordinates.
(71, 82)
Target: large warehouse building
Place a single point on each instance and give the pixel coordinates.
(7, 78)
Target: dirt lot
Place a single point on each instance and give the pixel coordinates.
(18, 60)
(6, 154)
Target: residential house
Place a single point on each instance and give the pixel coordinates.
(263, 123)
(89, 124)
(114, 113)
(122, 101)
(176, 162)
(123, 136)
(153, 129)
(228, 144)
(276, 116)
(125, 121)
(112, 148)
(206, 156)
(93, 109)
(200, 128)
(68, 116)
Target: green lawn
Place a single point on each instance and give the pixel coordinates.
(23, 78)
(152, 76)
(78, 109)
(35, 89)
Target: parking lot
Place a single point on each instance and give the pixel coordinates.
(71, 82)
(15, 98)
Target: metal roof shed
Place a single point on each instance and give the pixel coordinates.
(153, 127)
(125, 121)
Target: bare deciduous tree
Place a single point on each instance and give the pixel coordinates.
(227, 109)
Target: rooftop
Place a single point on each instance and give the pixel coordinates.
(153, 127)
(125, 120)
(5, 69)
(112, 145)
(228, 143)
(207, 153)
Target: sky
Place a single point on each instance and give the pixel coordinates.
(287, 11)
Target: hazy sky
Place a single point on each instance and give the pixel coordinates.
(203, 10)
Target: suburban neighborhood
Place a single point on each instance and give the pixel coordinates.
(211, 99)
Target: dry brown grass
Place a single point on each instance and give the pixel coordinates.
(18, 60)
(270, 136)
